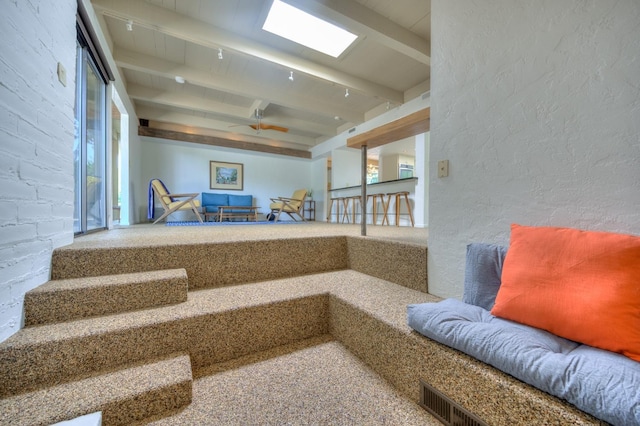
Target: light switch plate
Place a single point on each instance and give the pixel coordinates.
(443, 168)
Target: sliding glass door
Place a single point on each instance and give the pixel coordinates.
(90, 145)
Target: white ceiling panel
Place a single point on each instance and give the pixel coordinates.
(182, 37)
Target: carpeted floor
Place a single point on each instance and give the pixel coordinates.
(152, 235)
(313, 382)
(232, 223)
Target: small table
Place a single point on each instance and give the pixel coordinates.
(247, 212)
(309, 210)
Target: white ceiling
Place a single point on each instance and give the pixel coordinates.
(388, 65)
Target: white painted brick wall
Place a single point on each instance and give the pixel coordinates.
(36, 142)
(537, 107)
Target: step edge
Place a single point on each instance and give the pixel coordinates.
(177, 368)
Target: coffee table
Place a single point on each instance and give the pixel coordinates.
(247, 212)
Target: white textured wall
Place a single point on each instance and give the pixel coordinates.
(36, 142)
(537, 107)
(184, 167)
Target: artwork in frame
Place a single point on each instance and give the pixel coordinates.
(226, 176)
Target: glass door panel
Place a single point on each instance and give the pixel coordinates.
(89, 147)
(95, 150)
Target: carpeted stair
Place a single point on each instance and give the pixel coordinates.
(117, 331)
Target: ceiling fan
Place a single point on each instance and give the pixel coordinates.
(258, 114)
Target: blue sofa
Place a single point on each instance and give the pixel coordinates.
(211, 202)
(601, 383)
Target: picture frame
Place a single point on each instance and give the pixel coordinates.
(226, 176)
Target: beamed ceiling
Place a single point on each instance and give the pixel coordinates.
(389, 64)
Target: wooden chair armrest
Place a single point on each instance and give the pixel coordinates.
(191, 195)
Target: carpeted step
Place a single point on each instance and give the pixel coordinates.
(123, 396)
(214, 264)
(212, 326)
(69, 299)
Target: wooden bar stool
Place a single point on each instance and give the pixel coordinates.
(353, 202)
(345, 209)
(338, 201)
(398, 198)
(374, 214)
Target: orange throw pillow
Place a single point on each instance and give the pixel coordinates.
(580, 285)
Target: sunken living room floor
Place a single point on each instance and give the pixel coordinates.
(245, 325)
(229, 325)
(312, 382)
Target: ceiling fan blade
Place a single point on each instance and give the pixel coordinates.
(269, 127)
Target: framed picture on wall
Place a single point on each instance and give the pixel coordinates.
(226, 176)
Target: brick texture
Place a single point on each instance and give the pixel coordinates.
(36, 139)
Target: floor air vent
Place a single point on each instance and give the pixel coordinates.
(444, 409)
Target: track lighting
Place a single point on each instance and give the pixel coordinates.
(290, 75)
(220, 53)
(346, 93)
(129, 25)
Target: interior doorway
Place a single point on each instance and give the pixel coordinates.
(119, 162)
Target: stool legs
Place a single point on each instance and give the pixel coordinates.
(345, 213)
(330, 209)
(337, 201)
(374, 207)
(398, 197)
(406, 199)
(355, 202)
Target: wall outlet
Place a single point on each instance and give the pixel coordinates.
(443, 168)
(62, 74)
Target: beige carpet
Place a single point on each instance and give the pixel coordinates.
(313, 382)
(159, 234)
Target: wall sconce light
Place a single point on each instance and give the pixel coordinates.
(180, 79)
(290, 75)
(346, 93)
(129, 25)
(220, 54)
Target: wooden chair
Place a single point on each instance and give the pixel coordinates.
(171, 203)
(289, 206)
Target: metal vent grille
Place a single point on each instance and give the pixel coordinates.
(445, 409)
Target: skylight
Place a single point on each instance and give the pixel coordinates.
(298, 26)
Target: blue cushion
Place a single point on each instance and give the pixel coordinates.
(214, 200)
(602, 383)
(240, 200)
(482, 274)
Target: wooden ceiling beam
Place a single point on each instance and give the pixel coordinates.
(411, 125)
(216, 141)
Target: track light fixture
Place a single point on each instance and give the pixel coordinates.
(220, 53)
(290, 75)
(346, 93)
(129, 25)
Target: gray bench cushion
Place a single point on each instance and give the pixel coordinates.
(602, 383)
